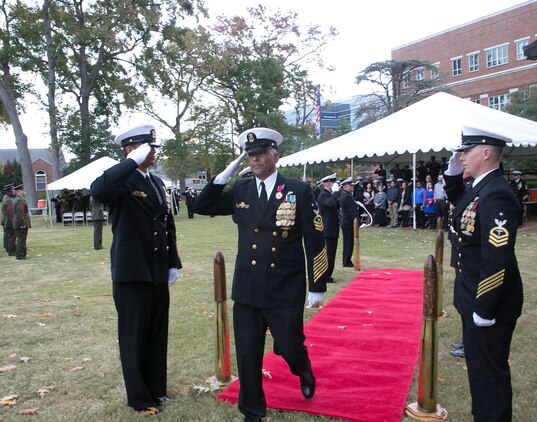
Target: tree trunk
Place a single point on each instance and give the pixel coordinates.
(52, 109)
(21, 140)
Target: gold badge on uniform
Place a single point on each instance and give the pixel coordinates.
(242, 204)
(498, 235)
(139, 194)
(318, 221)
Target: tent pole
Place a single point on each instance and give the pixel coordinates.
(414, 190)
(352, 168)
(304, 174)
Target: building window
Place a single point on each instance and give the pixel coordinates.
(519, 51)
(473, 62)
(406, 80)
(499, 102)
(456, 66)
(420, 74)
(497, 56)
(434, 72)
(40, 180)
(477, 101)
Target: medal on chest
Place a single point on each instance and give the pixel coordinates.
(286, 212)
(469, 214)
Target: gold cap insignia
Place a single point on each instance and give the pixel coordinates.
(251, 137)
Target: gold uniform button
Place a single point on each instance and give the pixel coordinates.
(156, 249)
(273, 265)
(273, 249)
(254, 246)
(460, 239)
(155, 233)
(256, 230)
(460, 271)
(254, 262)
(274, 234)
(460, 255)
(167, 248)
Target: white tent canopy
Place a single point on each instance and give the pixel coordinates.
(83, 177)
(431, 126)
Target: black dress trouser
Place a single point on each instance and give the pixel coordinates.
(142, 310)
(486, 350)
(250, 327)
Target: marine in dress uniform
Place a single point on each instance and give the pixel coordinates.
(277, 218)
(328, 201)
(488, 287)
(21, 222)
(144, 262)
(7, 220)
(97, 218)
(349, 211)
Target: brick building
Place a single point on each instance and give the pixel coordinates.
(41, 165)
(482, 60)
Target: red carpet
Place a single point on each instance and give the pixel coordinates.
(363, 345)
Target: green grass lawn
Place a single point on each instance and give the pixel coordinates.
(58, 324)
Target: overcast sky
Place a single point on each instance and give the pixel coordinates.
(368, 30)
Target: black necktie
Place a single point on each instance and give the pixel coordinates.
(263, 196)
(156, 189)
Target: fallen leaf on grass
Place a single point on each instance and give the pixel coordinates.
(9, 316)
(42, 391)
(41, 324)
(266, 374)
(32, 411)
(7, 368)
(45, 314)
(200, 389)
(76, 297)
(25, 359)
(213, 382)
(12, 356)
(76, 368)
(441, 377)
(84, 360)
(78, 314)
(8, 400)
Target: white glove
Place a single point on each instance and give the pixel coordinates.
(482, 322)
(315, 299)
(454, 165)
(140, 154)
(231, 170)
(335, 187)
(173, 274)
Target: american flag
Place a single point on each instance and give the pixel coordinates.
(317, 107)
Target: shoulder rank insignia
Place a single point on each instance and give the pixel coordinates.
(499, 236)
(318, 221)
(139, 194)
(242, 204)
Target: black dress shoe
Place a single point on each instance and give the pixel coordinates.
(307, 385)
(330, 280)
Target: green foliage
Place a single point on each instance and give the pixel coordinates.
(524, 103)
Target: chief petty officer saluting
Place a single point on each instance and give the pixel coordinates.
(275, 216)
(488, 287)
(144, 261)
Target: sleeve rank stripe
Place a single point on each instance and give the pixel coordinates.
(320, 265)
(490, 283)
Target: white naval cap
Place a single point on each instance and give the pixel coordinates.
(246, 172)
(472, 136)
(330, 178)
(139, 134)
(347, 181)
(259, 138)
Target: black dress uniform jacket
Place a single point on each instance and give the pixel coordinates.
(270, 268)
(329, 208)
(485, 220)
(144, 230)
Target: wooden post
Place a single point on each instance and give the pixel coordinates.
(427, 407)
(222, 356)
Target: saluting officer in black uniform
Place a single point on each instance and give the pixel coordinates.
(144, 261)
(328, 201)
(349, 211)
(276, 217)
(488, 287)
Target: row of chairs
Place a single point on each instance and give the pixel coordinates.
(78, 218)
